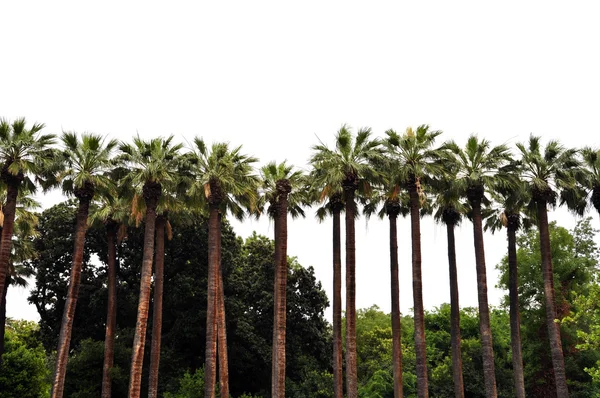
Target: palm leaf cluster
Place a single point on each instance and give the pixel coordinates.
(148, 182)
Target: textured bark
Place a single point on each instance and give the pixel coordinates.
(276, 314)
(457, 371)
(7, 232)
(111, 313)
(210, 366)
(159, 263)
(419, 316)
(66, 326)
(3, 317)
(395, 291)
(221, 326)
(558, 361)
(515, 316)
(139, 341)
(338, 380)
(351, 365)
(485, 330)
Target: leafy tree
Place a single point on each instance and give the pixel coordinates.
(591, 175)
(86, 163)
(550, 172)
(350, 167)
(416, 160)
(23, 371)
(24, 156)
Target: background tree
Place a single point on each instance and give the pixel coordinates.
(86, 163)
(416, 160)
(153, 167)
(281, 187)
(550, 172)
(24, 154)
(351, 167)
(480, 168)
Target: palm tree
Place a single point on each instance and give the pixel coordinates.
(86, 164)
(333, 207)
(282, 191)
(348, 168)
(449, 211)
(481, 167)
(415, 159)
(113, 211)
(153, 167)
(393, 203)
(24, 154)
(591, 164)
(512, 216)
(548, 173)
(22, 250)
(224, 182)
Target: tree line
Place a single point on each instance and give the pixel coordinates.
(152, 182)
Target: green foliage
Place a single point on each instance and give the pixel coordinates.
(191, 385)
(23, 371)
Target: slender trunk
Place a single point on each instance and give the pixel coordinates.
(111, 313)
(419, 312)
(281, 306)
(351, 366)
(66, 326)
(210, 367)
(3, 317)
(159, 263)
(457, 371)
(276, 313)
(338, 386)
(7, 232)
(515, 316)
(395, 287)
(139, 341)
(221, 325)
(558, 361)
(484, 310)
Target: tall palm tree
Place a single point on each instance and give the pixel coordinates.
(449, 211)
(153, 166)
(481, 167)
(86, 164)
(416, 160)
(548, 173)
(113, 211)
(24, 154)
(282, 190)
(393, 203)
(22, 250)
(512, 215)
(591, 177)
(349, 168)
(333, 207)
(224, 182)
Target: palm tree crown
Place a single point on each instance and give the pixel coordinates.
(591, 177)
(278, 179)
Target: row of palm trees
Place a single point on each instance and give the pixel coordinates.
(401, 174)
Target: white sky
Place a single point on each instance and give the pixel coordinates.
(272, 76)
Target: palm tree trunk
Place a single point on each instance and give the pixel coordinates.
(351, 366)
(484, 310)
(159, 263)
(419, 311)
(515, 316)
(280, 306)
(66, 326)
(111, 316)
(276, 313)
(395, 287)
(457, 371)
(3, 317)
(139, 341)
(7, 232)
(338, 387)
(210, 367)
(558, 361)
(221, 326)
